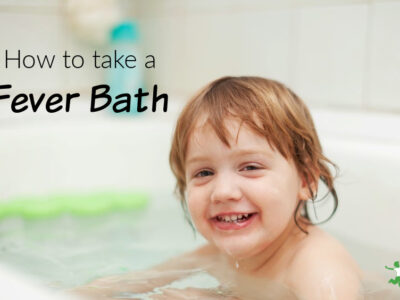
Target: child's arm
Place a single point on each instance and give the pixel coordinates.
(147, 280)
(389, 268)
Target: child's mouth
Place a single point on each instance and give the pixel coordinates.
(233, 221)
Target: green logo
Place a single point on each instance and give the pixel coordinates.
(396, 268)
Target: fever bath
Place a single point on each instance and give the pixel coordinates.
(100, 99)
(122, 102)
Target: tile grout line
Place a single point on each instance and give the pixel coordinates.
(293, 45)
(366, 80)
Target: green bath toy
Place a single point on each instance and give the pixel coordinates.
(77, 204)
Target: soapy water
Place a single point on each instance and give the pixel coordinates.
(195, 284)
(67, 252)
(199, 284)
(198, 280)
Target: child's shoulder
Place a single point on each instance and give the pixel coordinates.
(322, 268)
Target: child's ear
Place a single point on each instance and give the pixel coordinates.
(309, 186)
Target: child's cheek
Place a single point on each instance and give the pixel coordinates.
(197, 205)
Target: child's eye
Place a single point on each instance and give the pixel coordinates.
(250, 168)
(203, 173)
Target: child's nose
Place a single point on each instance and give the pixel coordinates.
(225, 189)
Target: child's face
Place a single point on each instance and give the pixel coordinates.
(242, 198)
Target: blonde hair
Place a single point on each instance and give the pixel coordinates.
(268, 108)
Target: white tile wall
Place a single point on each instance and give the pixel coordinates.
(84, 78)
(266, 39)
(330, 55)
(39, 32)
(164, 38)
(29, 3)
(384, 82)
(33, 34)
(215, 47)
(334, 53)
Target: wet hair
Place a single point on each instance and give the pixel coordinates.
(268, 108)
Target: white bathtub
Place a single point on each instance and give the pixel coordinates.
(44, 153)
(366, 146)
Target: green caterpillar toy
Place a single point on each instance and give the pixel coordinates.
(77, 204)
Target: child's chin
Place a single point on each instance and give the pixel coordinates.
(236, 250)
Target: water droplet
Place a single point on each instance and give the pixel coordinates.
(237, 265)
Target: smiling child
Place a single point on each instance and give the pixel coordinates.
(247, 158)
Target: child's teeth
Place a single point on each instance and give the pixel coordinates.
(232, 218)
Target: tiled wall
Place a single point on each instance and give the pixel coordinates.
(332, 53)
(40, 28)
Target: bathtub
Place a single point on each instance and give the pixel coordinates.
(79, 151)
